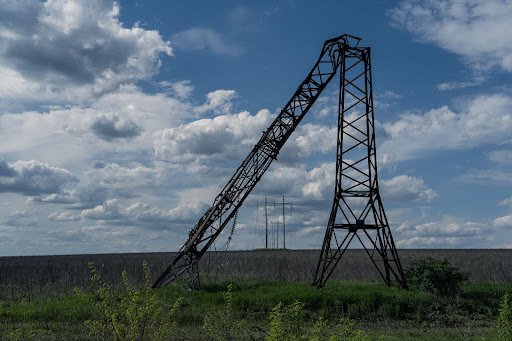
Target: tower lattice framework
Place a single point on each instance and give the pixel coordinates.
(357, 212)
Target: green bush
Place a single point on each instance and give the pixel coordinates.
(505, 319)
(436, 276)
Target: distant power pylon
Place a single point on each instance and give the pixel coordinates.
(274, 241)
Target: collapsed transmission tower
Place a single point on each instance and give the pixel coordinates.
(341, 53)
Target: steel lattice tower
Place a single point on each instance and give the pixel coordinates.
(357, 211)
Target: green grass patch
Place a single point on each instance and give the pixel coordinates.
(413, 314)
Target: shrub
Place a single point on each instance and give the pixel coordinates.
(435, 276)
(128, 313)
(286, 322)
(223, 325)
(505, 319)
(346, 330)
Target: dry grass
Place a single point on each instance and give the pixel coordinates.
(38, 273)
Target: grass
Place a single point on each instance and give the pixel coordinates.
(37, 300)
(375, 307)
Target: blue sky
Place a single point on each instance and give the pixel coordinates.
(120, 122)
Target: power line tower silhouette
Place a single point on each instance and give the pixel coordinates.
(357, 211)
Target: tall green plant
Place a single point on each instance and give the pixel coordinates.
(505, 319)
(128, 313)
(224, 325)
(286, 322)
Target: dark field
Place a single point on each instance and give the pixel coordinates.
(38, 273)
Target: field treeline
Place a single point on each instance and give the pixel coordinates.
(38, 273)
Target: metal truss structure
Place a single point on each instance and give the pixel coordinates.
(357, 211)
(340, 53)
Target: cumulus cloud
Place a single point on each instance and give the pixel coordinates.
(72, 48)
(34, 178)
(110, 209)
(314, 138)
(217, 101)
(406, 188)
(485, 119)
(281, 180)
(448, 232)
(503, 222)
(223, 137)
(82, 196)
(476, 31)
(182, 89)
(320, 181)
(203, 38)
(108, 127)
(6, 170)
(143, 214)
(506, 202)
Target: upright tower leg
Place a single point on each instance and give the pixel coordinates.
(357, 212)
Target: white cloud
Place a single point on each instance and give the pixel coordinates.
(217, 101)
(182, 89)
(203, 38)
(448, 232)
(406, 188)
(83, 196)
(64, 216)
(314, 138)
(487, 176)
(506, 202)
(320, 181)
(485, 119)
(280, 180)
(143, 214)
(71, 50)
(503, 222)
(33, 178)
(478, 31)
(132, 113)
(308, 231)
(456, 85)
(501, 156)
(108, 127)
(107, 211)
(223, 137)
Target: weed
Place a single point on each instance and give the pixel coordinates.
(130, 314)
(223, 325)
(505, 319)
